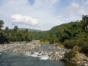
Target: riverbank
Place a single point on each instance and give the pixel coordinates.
(43, 51)
(33, 48)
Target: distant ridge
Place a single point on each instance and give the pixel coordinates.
(30, 30)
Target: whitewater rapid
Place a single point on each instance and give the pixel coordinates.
(37, 54)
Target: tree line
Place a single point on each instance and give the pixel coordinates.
(13, 35)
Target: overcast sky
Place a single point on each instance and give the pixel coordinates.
(41, 14)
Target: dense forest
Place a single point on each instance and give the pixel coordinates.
(69, 34)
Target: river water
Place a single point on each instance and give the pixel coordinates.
(14, 59)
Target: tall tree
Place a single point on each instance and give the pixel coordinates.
(6, 31)
(85, 22)
(15, 28)
(1, 24)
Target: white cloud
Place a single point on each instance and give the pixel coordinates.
(75, 5)
(83, 12)
(74, 11)
(86, 3)
(72, 7)
(45, 4)
(17, 18)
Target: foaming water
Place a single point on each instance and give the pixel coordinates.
(36, 54)
(44, 58)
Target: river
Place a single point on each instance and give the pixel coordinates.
(15, 59)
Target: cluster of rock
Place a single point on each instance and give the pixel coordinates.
(33, 48)
(84, 60)
(43, 51)
(19, 47)
(50, 53)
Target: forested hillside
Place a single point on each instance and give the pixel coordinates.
(69, 34)
(60, 33)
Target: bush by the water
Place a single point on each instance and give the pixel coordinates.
(73, 55)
